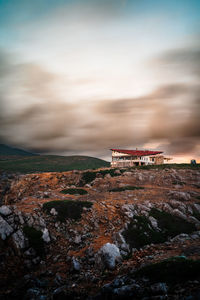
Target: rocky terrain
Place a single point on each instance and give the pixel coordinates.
(104, 234)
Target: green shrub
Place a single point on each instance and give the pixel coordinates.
(126, 188)
(171, 225)
(176, 182)
(87, 177)
(111, 172)
(74, 191)
(139, 233)
(67, 208)
(35, 239)
(172, 271)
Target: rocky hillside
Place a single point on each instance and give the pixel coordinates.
(106, 234)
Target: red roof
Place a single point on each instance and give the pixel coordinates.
(137, 152)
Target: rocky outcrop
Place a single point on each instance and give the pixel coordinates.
(183, 196)
(5, 229)
(125, 287)
(89, 252)
(19, 239)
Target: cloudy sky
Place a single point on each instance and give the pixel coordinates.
(81, 77)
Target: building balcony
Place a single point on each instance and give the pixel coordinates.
(129, 163)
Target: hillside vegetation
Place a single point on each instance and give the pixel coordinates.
(50, 163)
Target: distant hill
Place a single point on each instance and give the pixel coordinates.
(49, 163)
(7, 151)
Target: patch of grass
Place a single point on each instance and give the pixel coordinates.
(74, 191)
(126, 188)
(67, 208)
(139, 233)
(171, 271)
(169, 166)
(171, 225)
(34, 237)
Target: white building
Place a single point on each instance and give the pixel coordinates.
(130, 158)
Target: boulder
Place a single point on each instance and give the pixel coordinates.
(108, 256)
(53, 212)
(30, 252)
(175, 203)
(121, 243)
(179, 214)
(159, 288)
(21, 220)
(107, 176)
(119, 238)
(127, 173)
(166, 207)
(59, 293)
(75, 265)
(190, 210)
(126, 291)
(197, 207)
(77, 239)
(45, 236)
(5, 210)
(184, 196)
(34, 294)
(193, 220)
(127, 208)
(5, 229)
(19, 239)
(180, 238)
(154, 223)
(143, 207)
(117, 172)
(140, 177)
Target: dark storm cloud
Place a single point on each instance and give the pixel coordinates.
(171, 112)
(41, 116)
(183, 127)
(181, 146)
(127, 106)
(32, 116)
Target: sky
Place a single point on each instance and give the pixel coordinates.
(81, 77)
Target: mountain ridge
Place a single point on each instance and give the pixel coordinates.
(17, 160)
(6, 150)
